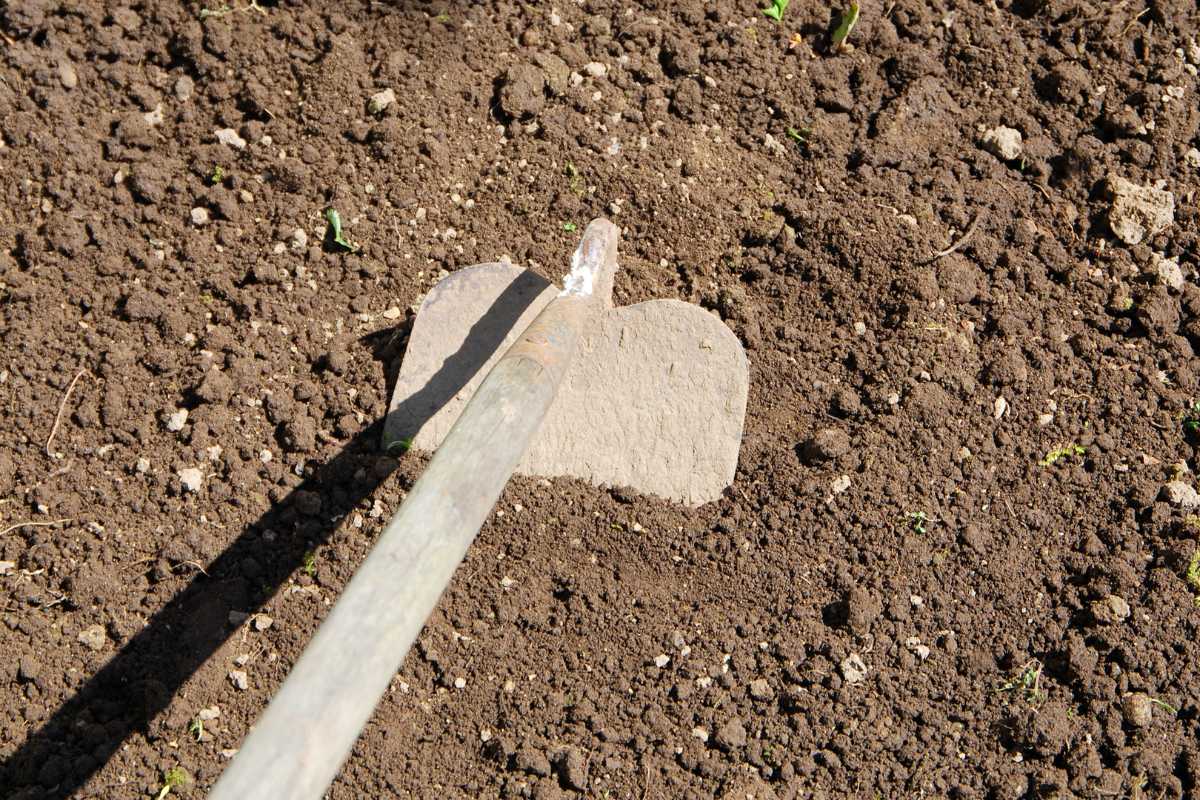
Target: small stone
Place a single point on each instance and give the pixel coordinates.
(262, 622)
(1192, 158)
(176, 420)
(183, 88)
(840, 484)
(1168, 270)
(761, 690)
(1138, 709)
(381, 100)
(93, 637)
(999, 407)
(209, 714)
(1003, 142)
(142, 465)
(1110, 610)
(392, 313)
(229, 137)
(199, 216)
(239, 679)
(700, 733)
(1182, 495)
(853, 669)
(1138, 212)
(191, 479)
(731, 735)
(595, 69)
(154, 117)
(67, 75)
(661, 660)
(299, 239)
(460, 683)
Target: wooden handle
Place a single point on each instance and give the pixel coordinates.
(295, 750)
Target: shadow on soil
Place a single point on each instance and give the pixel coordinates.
(139, 683)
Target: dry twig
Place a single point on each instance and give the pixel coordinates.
(62, 407)
(32, 524)
(962, 240)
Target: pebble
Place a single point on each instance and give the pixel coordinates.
(142, 465)
(176, 420)
(1138, 710)
(1168, 270)
(1138, 212)
(1003, 142)
(595, 69)
(209, 714)
(380, 101)
(700, 733)
(840, 484)
(853, 669)
(1192, 158)
(93, 637)
(999, 407)
(239, 679)
(199, 216)
(460, 683)
(230, 138)
(262, 622)
(661, 660)
(191, 479)
(299, 239)
(392, 313)
(67, 75)
(183, 88)
(1110, 610)
(1182, 494)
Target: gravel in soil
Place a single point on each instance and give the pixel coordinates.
(958, 559)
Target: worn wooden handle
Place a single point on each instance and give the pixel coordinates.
(307, 731)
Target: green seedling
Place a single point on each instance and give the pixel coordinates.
(1027, 682)
(1062, 452)
(196, 729)
(917, 521)
(800, 136)
(218, 175)
(842, 33)
(1192, 576)
(776, 10)
(404, 445)
(1191, 419)
(573, 178)
(174, 778)
(442, 18)
(334, 231)
(570, 227)
(309, 564)
(1165, 706)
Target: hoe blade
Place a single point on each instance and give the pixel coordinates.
(654, 398)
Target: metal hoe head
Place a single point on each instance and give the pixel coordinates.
(654, 398)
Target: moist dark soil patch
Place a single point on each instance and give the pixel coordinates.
(950, 565)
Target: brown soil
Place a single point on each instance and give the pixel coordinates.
(1053, 599)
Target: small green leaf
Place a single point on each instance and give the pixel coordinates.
(776, 10)
(570, 227)
(801, 135)
(849, 20)
(334, 232)
(218, 175)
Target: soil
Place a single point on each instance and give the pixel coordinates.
(947, 566)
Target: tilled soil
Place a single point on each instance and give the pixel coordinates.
(958, 558)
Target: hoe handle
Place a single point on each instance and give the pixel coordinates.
(295, 750)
